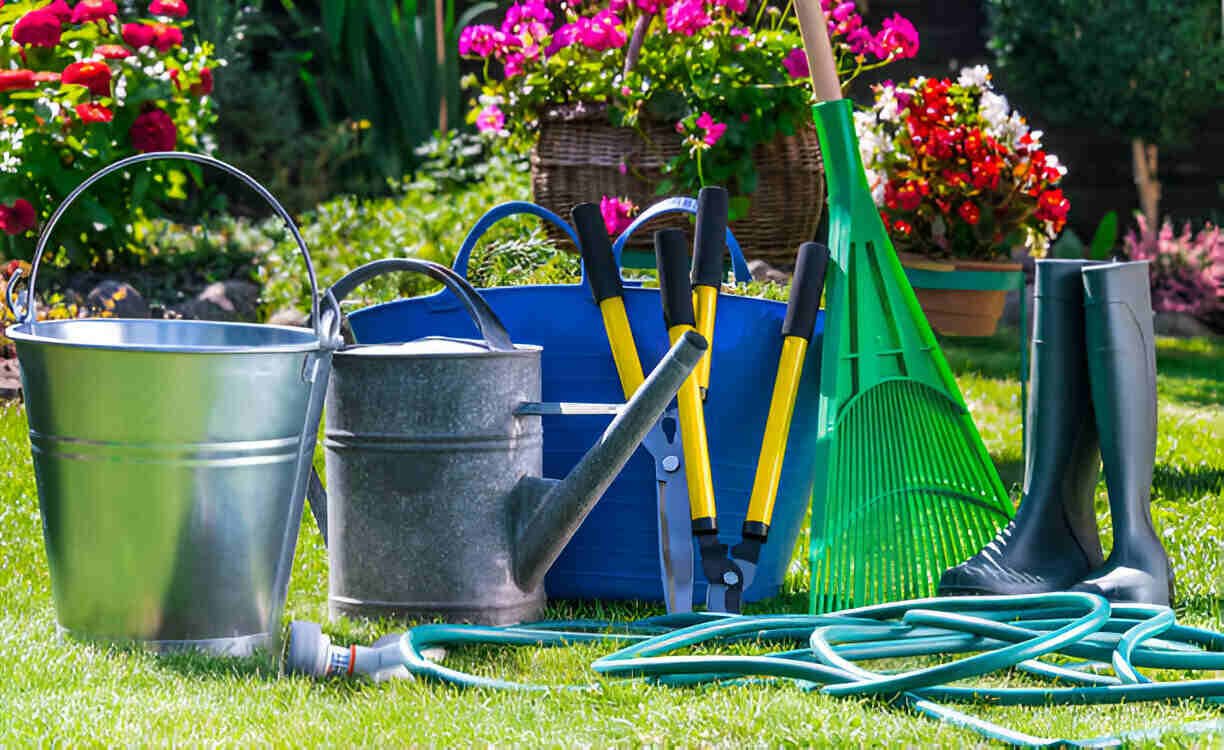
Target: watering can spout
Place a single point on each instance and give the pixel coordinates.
(553, 511)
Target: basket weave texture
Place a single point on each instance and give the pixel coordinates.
(579, 155)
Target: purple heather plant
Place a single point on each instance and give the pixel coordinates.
(1187, 268)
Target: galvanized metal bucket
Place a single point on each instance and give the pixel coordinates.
(171, 458)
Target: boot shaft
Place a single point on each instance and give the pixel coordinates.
(1122, 364)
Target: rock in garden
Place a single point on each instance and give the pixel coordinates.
(231, 301)
(762, 271)
(290, 317)
(117, 300)
(1182, 325)
(10, 379)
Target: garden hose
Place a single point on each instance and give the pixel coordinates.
(986, 635)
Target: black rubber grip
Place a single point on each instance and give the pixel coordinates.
(755, 530)
(672, 260)
(601, 270)
(805, 291)
(710, 239)
(706, 526)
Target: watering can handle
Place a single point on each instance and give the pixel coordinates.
(683, 205)
(30, 314)
(487, 322)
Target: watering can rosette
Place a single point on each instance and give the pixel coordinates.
(171, 459)
(615, 553)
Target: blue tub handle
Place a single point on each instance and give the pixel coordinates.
(505, 211)
(683, 205)
(676, 205)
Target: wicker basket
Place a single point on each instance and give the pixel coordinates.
(579, 155)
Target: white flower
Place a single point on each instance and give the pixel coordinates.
(996, 112)
(976, 77)
(1052, 162)
(887, 105)
(876, 181)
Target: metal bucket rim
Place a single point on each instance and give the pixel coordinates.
(29, 333)
(359, 350)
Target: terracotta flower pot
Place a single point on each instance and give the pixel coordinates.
(960, 312)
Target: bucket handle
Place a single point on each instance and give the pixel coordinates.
(487, 322)
(683, 205)
(30, 313)
(679, 204)
(505, 211)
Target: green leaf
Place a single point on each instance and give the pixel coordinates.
(737, 207)
(1067, 246)
(1105, 237)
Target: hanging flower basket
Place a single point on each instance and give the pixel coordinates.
(580, 157)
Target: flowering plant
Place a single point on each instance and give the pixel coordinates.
(729, 74)
(1187, 269)
(81, 87)
(958, 173)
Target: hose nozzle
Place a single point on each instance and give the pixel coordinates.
(308, 651)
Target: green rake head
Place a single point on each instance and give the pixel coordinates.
(908, 488)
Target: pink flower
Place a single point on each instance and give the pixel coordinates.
(796, 63)
(60, 9)
(843, 11)
(170, 8)
(38, 28)
(898, 39)
(563, 37)
(687, 17)
(600, 32)
(860, 41)
(484, 41)
(17, 218)
(617, 213)
(491, 120)
(735, 6)
(650, 6)
(743, 31)
(531, 18)
(713, 130)
(514, 64)
(94, 10)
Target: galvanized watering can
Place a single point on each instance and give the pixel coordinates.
(435, 504)
(171, 458)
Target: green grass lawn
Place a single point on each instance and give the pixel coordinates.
(62, 692)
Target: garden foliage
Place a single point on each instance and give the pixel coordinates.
(83, 86)
(957, 172)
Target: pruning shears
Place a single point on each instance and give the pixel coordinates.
(730, 571)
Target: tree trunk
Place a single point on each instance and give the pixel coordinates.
(1147, 181)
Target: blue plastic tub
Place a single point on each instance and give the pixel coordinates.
(615, 554)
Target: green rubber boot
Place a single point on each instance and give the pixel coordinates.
(1122, 367)
(1052, 543)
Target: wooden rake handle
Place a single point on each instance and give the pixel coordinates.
(815, 31)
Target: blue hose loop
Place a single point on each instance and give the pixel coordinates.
(505, 211)
(1001, 633)
(682, 205)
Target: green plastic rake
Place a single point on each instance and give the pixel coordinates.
(905, 486)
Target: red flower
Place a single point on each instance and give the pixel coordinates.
(90, 112)
(205, 86)
(138, 35)
(14, 80)
(166, 37)
(38, 28)
(969, 212)
(1053, 206)
(92, 74)
(94, 10)
(172, 8)
(153, 131)
(902, 227)
(112, 51)
(60, 9)
(942, 143)
(904, 196)
(17, 218)
(975, 147)
(985, 173)
(46, 76)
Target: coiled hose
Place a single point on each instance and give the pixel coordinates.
(993, 633)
